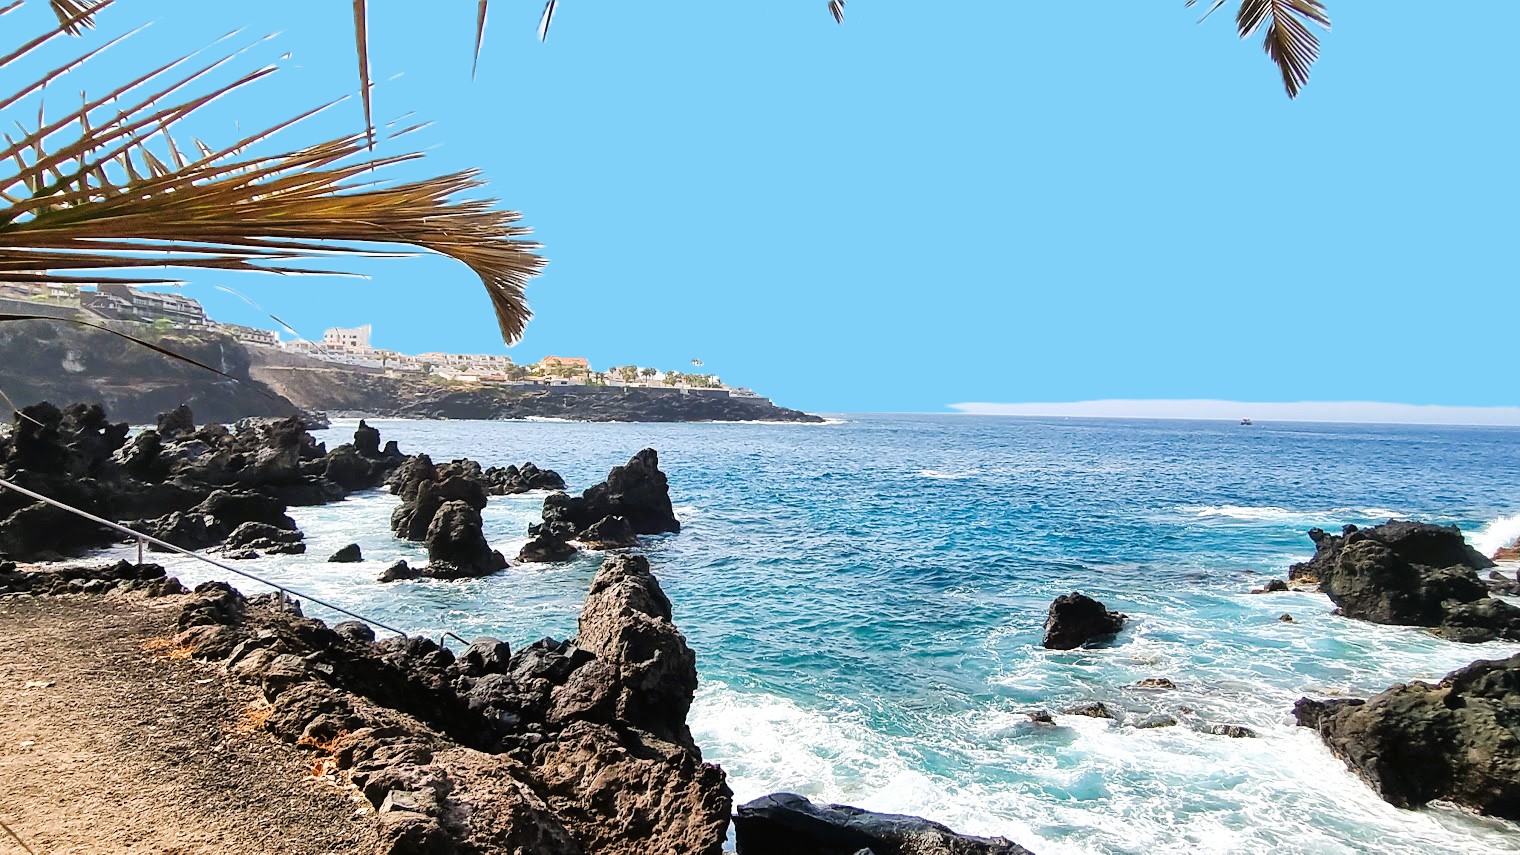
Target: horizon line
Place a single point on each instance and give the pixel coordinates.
(1208, 409)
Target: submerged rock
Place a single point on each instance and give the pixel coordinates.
(1457, 740)
(1234, 731)
(398, 572)
(1410, 574)
(1091, 709)
(789, 823)
(1075, 619)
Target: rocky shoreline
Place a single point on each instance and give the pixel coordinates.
(581, 745)
(562, 747)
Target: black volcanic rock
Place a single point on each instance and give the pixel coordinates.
(457, 547)
(637, 491)
(265, 537)
(1457, 740)
(398, 572)
(610, 533)
(189, 486)
(412, 519)
(550, 544)
(176, 423)
(1075, 619)
(350, 554)
(1409, 574)
(552, 749)
(789, 824)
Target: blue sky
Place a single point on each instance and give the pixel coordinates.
(1005, 202)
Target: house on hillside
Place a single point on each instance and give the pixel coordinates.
(564, 366)
(124, 303)
(341, 338)
(251, 335)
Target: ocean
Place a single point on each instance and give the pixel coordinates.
(866, 600)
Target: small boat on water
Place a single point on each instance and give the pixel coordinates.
(1245, 421)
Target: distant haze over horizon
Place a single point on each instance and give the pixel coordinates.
(1367, 412)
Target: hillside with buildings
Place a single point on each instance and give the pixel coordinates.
(341, 374)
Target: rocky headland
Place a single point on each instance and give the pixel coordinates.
(58, 361)
(335, 390)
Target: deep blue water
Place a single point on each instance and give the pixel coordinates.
(866, 601)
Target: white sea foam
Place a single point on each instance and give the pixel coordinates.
(941, 475)
(1274, 514)
(1496, 535)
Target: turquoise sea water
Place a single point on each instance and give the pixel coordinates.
(866, 599)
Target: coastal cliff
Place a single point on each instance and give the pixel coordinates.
(56, 361)
(334, 390)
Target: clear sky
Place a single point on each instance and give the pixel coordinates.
(985, 200)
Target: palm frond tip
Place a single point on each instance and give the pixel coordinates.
(1289, 41)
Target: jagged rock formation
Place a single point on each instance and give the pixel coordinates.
(1075, 619)
(558, 748)
(1458, 740)
(441, 505)
(634, 500)
(192, 487)
(513, 480)
(1409, 574)
(457, 545)
(789, 823)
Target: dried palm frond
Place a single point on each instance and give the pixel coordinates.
(1289, 41)
(74, 15)
(119, 192)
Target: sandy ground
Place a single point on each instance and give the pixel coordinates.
(111, 743)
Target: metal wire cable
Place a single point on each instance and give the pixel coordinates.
(198, 557)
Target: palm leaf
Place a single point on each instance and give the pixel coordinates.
(75, 15)
(119, 193)
(480, 35)
(1289, 41)
(836, 8)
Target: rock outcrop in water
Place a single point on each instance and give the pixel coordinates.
(789, 824)
(1409, 574)
(634, 500)
(192, 487)
(440, 506)
(558, 748)
(1457, 740)
(1075, 619)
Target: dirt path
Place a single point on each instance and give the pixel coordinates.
(109, 744)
